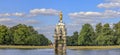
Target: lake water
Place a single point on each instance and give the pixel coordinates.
(51, 52)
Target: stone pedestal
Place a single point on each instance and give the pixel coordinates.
(60, 38)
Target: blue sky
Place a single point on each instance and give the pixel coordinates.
(43, 14)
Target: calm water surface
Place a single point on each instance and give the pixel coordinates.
(51, 52)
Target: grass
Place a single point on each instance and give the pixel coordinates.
(92, 47)
(51, 47)
(25, 47)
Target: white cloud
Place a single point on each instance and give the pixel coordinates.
(84, 14)
(12, 14)
(88, 15)
(13, 21)
(44, 11)
(4, 15)
(15, 18)
(80, 18)
(31, 22)
(18, 14)
(48, 30)
(33, 12)
(110, 4)
(113, 0)
(5, 20)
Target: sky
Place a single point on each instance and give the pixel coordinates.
(43, 15)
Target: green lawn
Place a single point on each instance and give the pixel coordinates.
(25, 47)
(50, 47)
(92, 47)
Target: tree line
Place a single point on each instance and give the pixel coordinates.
(21, 34)
(101, 35)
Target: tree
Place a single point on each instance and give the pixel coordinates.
(5, 35)
(98, 29)
(20, 34)
(98, 33)
(26, 35)
(106, 37)
(116, 28)
(87, 35)
(68, 40)
(72, 40)
(108, 34)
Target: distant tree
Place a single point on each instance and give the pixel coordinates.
(5, 35)
(106, 38)
(116, 28)
(98, 29)
(98, 33)
(87, 35)
(68, 40)
(72, 40)
(26, 35)
(20, 34)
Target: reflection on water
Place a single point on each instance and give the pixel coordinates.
(60, 53)
(51, 52)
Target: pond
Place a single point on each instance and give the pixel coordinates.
(51, 52)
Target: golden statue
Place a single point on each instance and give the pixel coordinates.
(60, 15)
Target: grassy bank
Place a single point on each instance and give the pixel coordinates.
(25, 47)
(92, 47)
(50, 47)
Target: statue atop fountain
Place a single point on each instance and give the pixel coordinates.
(60, 36)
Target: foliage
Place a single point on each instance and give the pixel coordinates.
(72, 40)
(21, 35)
(86, 36)
(4, 35)
(102, 35)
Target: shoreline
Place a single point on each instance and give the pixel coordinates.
(24, 47)
(92, 47)
(51, 47)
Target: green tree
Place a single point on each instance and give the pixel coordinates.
(98, 29)
(72, 40)
(106, 37)
(87, 35)
(5, 35)
(26, 35)
(68, 40)
(116, 28)
(98, 33)
(20, 34)
(108, 34)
